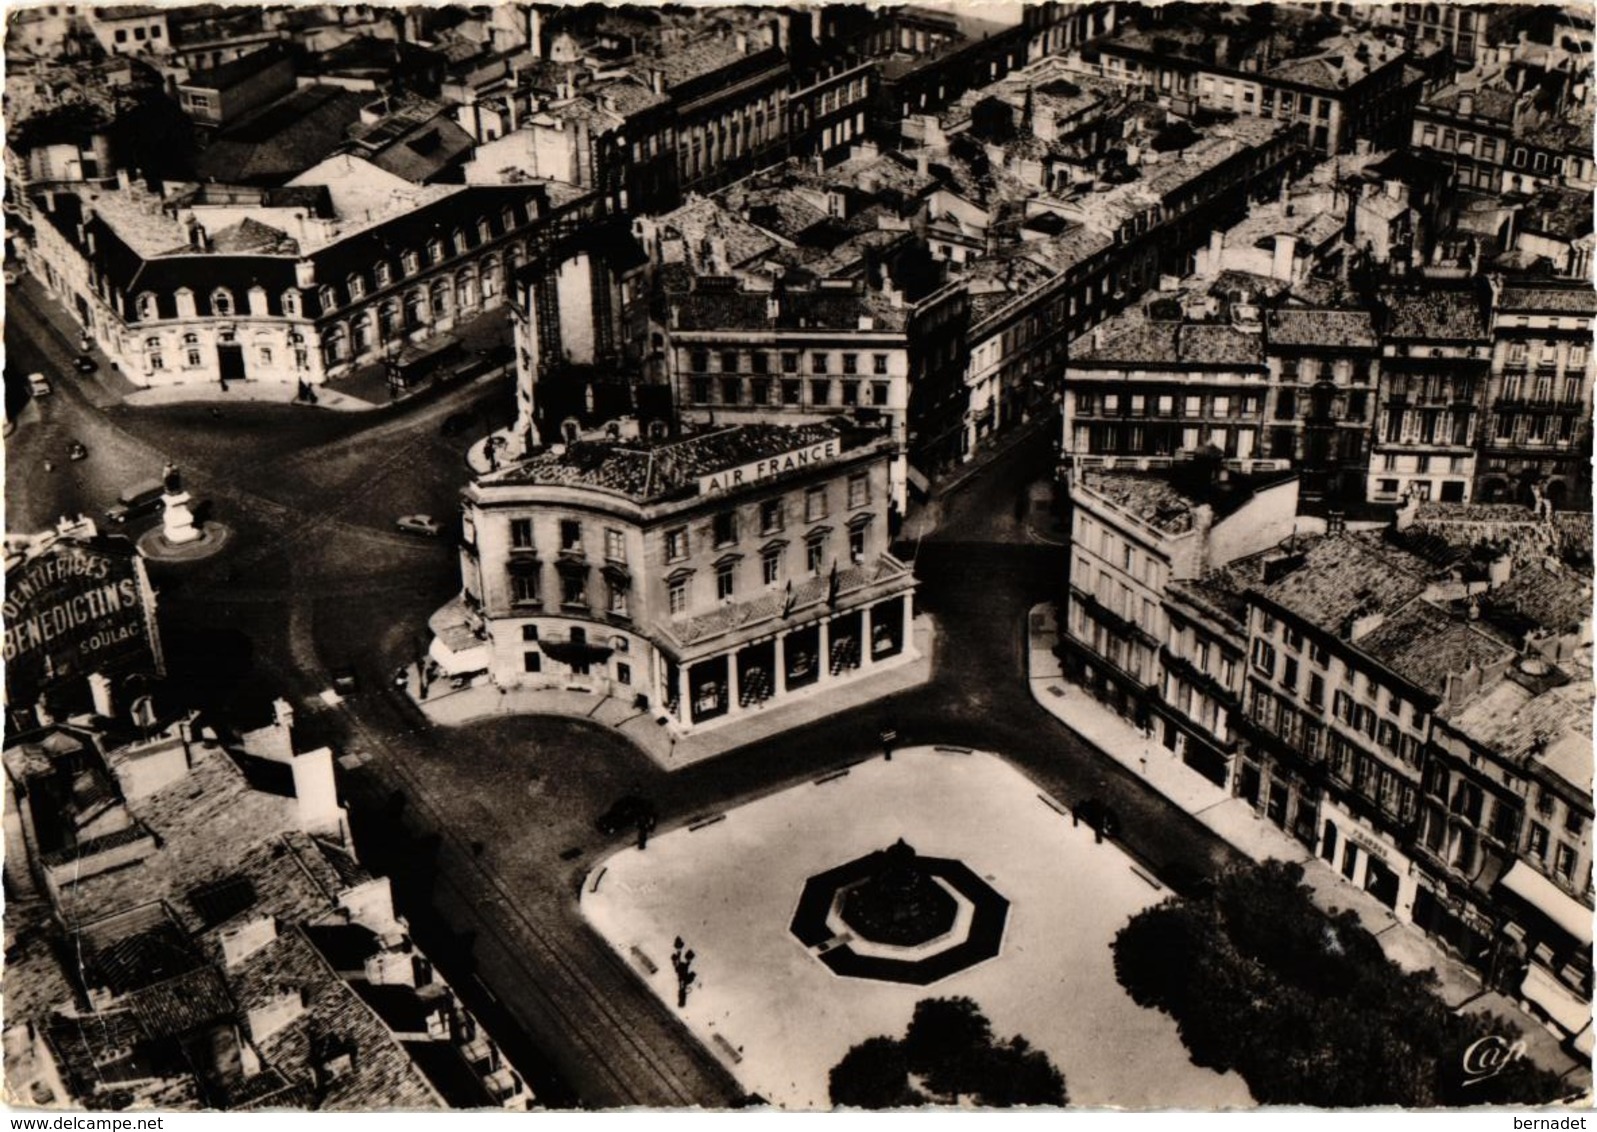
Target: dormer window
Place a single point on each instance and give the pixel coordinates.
(435, 250)
(329, 299)
(357, 287)
(221, 302)
(410, 263)
(147, 308)
(291, 303)
(484, 231)
(457, 242)
(385, 273)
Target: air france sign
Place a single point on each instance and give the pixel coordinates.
(746, 475)
(67, 613)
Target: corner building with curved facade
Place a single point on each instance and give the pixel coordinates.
(709, 575)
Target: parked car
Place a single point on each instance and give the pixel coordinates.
(38, 385)
(76, 451)
(626, 813)
(418, 525)
(344, 681)
(85, 363)
(140, 499)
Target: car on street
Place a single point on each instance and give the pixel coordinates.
(38, 385)
(424, 525)
(344, 681)
(140, 499)
(85, 363)
(625, 813)
(76, 451)
(456, 423)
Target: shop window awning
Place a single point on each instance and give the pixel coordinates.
(1539, 892)
(459, 654)
(1563, 1006)
(575, 652)
(918, 480)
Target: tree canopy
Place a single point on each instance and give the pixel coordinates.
(1305, 1006)
(950, 1050)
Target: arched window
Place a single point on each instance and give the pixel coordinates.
(516, 257)
(222, 301)
(361, 336)
(466, 289)
(335, 345)
(387, 319)
(490, 278)
(439, 294)
(146, 307)
(415, 307)
(291, 304)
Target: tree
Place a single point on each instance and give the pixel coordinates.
(874, 1074)
(1305, 1006)
(949, 1046)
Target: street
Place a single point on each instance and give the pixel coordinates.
(487, 830)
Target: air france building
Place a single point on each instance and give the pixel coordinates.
(708, 575)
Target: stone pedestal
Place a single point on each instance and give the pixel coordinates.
(177, 521)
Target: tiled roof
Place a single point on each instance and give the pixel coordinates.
(1552, 729)
(1434, 315)
(380, 1074)
(1425, 645)
(1556, 600)
(1151, 498)
(1339, 328)
(1579, 299)
(1133, 338)
(839, 309)
(702, 219)
(1348, 574)
(183, 1004)
(648, 473)
(250, 237)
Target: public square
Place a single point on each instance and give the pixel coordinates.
(780, 1019)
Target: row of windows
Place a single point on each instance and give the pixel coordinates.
(1194, 405)
(733, 361)
(727, 570)
(724, 526)
(790, 391)
(1358, 684)
(1546, 354)
(615, 542)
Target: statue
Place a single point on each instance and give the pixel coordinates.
(173, 479)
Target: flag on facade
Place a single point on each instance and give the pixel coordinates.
(787, 599)
(831, 585)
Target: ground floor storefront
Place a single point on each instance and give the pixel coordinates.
(747, 675)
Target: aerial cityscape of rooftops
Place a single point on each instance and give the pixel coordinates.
(583, 557)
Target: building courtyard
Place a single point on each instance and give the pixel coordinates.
(767, 1005)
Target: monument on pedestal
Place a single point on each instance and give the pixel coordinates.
(177, 520)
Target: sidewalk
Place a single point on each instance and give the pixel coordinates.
(653, 735)
(1239, 824)
(369, 382)
(211, 392)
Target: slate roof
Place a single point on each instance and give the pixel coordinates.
(235, 71)
(280, 141)
(1556, 600)
(648, 472)
(701, 219)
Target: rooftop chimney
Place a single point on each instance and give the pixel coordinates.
(239, 943)
(317, 792)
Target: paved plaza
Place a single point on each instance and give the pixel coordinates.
(780, 1019)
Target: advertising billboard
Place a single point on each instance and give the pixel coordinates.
(72, 610)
